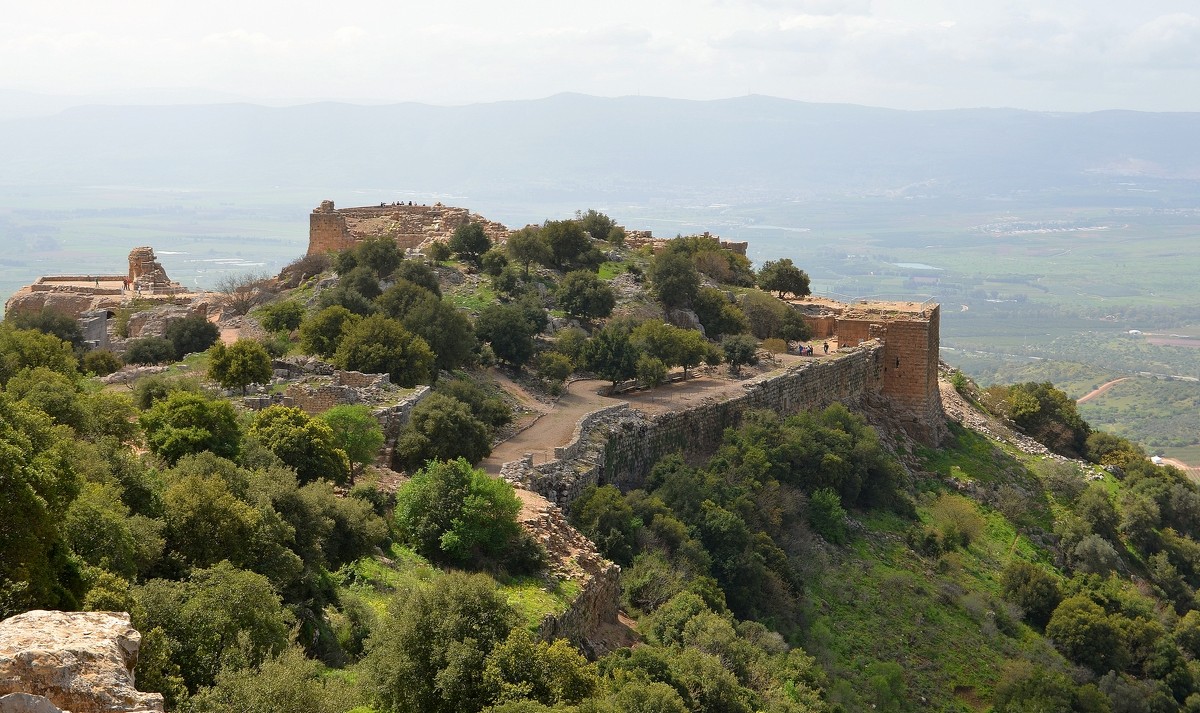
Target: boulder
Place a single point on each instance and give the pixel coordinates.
(27, 703)
(686, 319)
(78, 661)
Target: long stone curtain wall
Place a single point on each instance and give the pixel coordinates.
(619, 445)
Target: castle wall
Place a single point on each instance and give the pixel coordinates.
(410, 226)
(619, 446)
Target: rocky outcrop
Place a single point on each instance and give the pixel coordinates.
(154, 322)
(80, 662)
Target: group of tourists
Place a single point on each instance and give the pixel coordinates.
(809, 350)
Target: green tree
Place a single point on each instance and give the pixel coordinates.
(37, 484)
(568, 243)
(379, 253)
(611, 353)
(583, 295)
(469, 243)
(321, 334)
(509, 330)
(718, 314)
(783, 277)
(191, 334)
(49, 321)
(521, 668)
(446, 329)
(428, 654)
(1085, 634)
(101, 362)
(149, 350)
(279, 316)
(361, 280)
(206, 523)
(379, 344)
(220, 616)
(356, 432)
(1097, 510)
(287, 683)
(651, 372)
(528, 246)
(596, 224)
(27, 348)
(401, 298)
(769, 317)
(674, 280)
(454, 513)
(54, 394)
(494, 261)
(420, 274)
(739, 349)
(827, 516)
(1048, 415)
(186, 422)
(242, 363)
(603, 514)
(443, 428)
(304, 443)
(1033, 589)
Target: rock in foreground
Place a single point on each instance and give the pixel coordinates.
(81, 662)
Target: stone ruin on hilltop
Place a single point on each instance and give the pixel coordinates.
(411, 226)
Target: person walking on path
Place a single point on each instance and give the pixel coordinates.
(825, 346)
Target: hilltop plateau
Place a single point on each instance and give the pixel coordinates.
(450, 466)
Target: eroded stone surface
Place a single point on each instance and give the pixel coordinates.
(80, 661)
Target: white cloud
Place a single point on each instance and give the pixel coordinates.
(1066, 54)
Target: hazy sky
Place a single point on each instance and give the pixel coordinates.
(1067, 55)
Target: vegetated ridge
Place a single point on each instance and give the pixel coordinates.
(812, 562)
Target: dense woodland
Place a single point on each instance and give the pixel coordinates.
(810, 564)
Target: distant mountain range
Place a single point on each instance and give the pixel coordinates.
(569, 147)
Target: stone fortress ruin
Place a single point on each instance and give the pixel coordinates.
(411, 226)
(885, 365)
(93, 299)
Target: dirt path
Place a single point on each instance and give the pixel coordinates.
(1100, 390)
(553, 427)
(1192, 471)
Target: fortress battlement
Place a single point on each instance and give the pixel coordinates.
(333, 229)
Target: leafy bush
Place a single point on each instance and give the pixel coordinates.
(285, 315)
(454, 513)
(192, 334)
(101, 362)
(149, 350)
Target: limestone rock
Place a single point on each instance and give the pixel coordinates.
(686, 319)
(27, 703)
(79, 661)
(154, 322)
(61, 300)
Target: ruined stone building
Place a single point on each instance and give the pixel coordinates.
(411, 226)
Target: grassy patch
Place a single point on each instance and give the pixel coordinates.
(609, 270)
(375, 580)
(534, 599)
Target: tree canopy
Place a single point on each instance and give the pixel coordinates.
(783, 277)
(381, 345)
(469, 243)
(307, 444)
(240, 364)
(187, 422)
